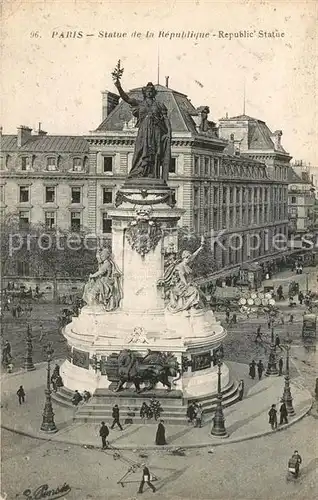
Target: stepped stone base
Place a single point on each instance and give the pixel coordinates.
(99, 407)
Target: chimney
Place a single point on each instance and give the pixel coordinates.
(167, 81)
(24, 134)
(109, 102)
(40, 131)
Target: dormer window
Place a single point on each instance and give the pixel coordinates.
(51, 163)
(77, 164)
(25, 163)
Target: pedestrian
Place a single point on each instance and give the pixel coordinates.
(10, 367)
(240, 389)
(144, 412)
(191, 411)
(115, 415)
(252, 369)
(161, 434)
(277, 342)
(234, 319)
(198, 416)
(295, 462)
(145, 479)
(104, 433)
(227, 316)
(260, 369)
(273, 417)
(291, 318)
(283, 414)
(282, 319)
(42, 333)
(21, 395)
(258, 334)
(280, 366)
(86, 396)
(77, 398)
(300, 298)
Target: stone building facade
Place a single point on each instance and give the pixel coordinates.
(234, 194)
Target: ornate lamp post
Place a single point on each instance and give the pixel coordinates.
(271, 366)
(48, 424)
(28, 361)
(287, 397)
(218, 428)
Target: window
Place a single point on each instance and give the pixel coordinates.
(107, 195)
(50, 220)
(206, 165)
(206, 196)
(51, 163)
(75, 221)
(196, 165)
(25, 163)
(196, 197)
(224, 200)
(215, 195)
(231, 194)
(75, 195)
(196, 222)
(238, 195)
(24, 220)
(107, 224)
(1, 194)
(172, 166)
(23, 268)
(24, 194)
(108, 164)
(216, 164)
(293, 199)
(2, 163)
(77, 164)
(50, 194)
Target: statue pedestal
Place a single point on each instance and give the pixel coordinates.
(144, 227)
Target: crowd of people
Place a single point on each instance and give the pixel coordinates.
(151, 410)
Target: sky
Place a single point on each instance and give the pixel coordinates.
(57, 81)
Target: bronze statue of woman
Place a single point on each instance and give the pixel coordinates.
(152, 152)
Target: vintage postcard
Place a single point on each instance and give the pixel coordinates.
(159, 223)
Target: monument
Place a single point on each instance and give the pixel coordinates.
(146, 326)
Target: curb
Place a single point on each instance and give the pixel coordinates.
(167, 447)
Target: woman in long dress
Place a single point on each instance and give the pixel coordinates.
(152, 152)
(161, 434)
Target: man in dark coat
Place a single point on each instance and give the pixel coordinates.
(115, 415)
(260, 369)
(104, 432)
(283, 414)
(161, 434)
(191, 412)
(280, 366)
(240, 389)
(21, 395)
(145, 479)
(273, 417)
(277, 342)
(77, 398)
(252, 369)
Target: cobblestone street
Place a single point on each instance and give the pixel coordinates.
(252, 470)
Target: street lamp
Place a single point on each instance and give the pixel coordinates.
(271, 366)
(48, 424)
(28, 361)
(287, 397)
(218, 428)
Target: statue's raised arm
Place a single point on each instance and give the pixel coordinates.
(117, 74)
(193, 256)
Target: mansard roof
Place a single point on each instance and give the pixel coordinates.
(179, 108)
(259, 135)
(45, 144)
(294, 178)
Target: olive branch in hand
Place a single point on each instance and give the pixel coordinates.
(118, 72)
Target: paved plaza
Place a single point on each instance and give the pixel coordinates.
(249, 464)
